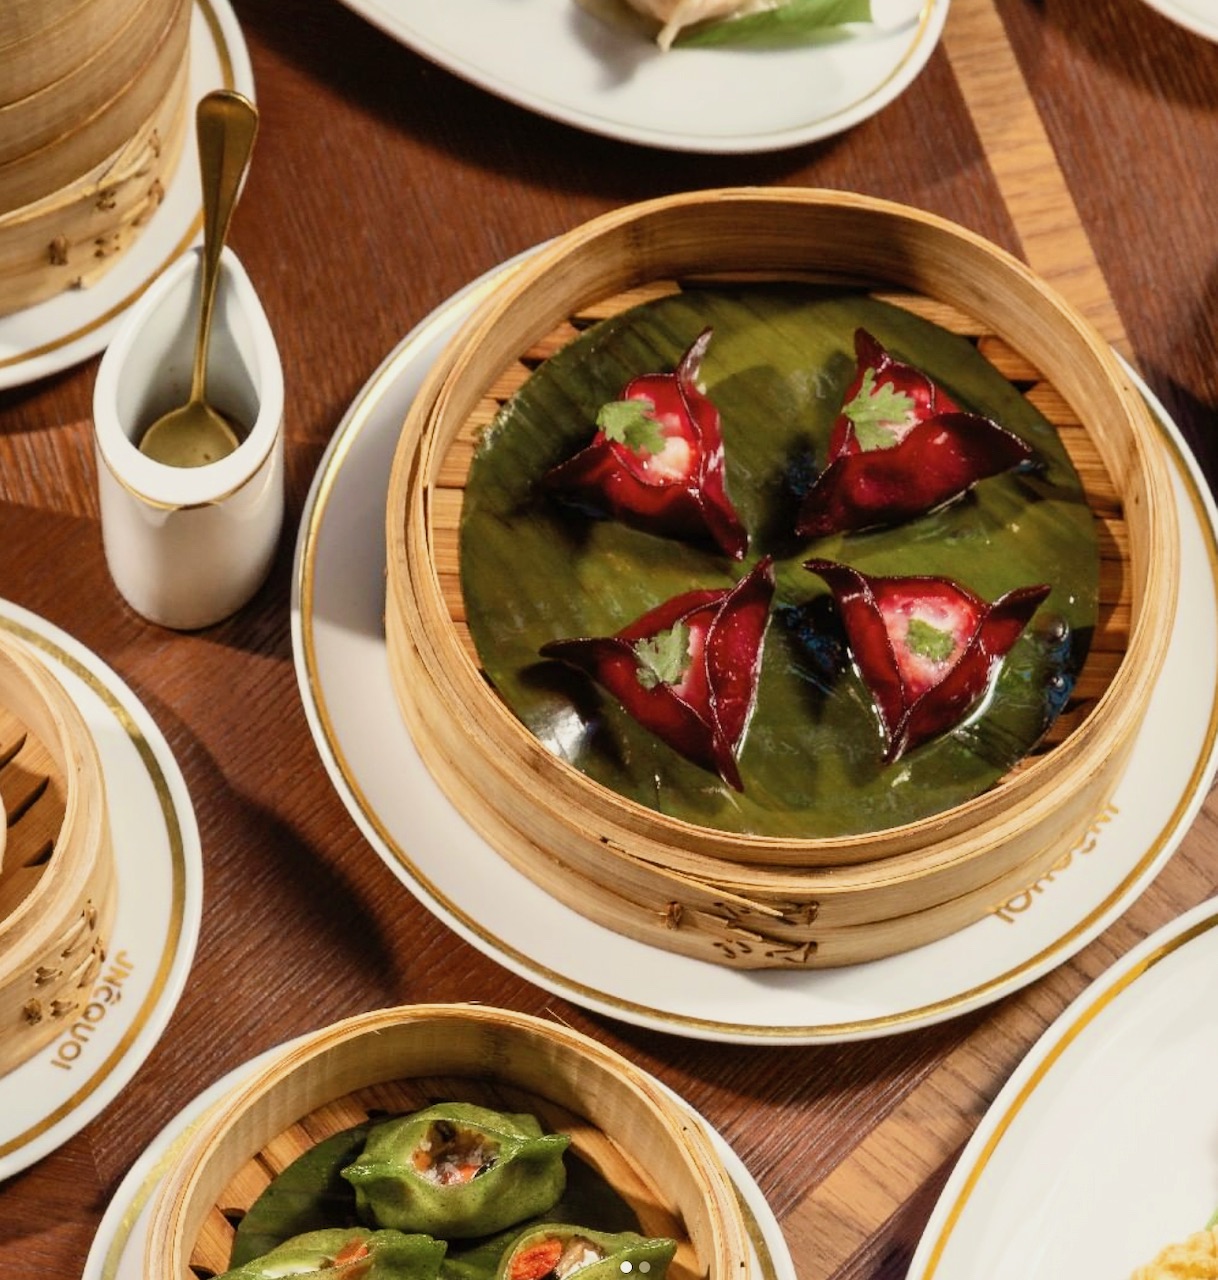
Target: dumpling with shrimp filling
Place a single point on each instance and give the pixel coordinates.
(555, 1251)
(458, 1171)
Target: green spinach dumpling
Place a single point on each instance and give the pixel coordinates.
(457, 1170)
(348, 1252)
(554, 1251)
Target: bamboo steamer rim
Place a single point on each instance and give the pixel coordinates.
(42, 704)
(890, 244)
(370, 1048)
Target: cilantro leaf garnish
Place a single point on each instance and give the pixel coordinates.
(664, 657)
(929, 641)
(630, 422)
(874, 410)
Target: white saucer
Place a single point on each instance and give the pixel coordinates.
(48, 1099)
(1103, 1146)
(118, 1246)
(67, 329)
(554, 58)
(339, 645)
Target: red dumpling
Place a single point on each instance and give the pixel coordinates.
(900, 447)
(656, 461)
(926, 647)
(687, 670)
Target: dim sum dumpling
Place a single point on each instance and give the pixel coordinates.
(457, 1170)
(555, 1251)
(348, 1251)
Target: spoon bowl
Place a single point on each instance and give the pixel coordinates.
(195, 434)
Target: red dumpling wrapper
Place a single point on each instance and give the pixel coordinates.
(926, 647)
(899, 448)
(687, 670)
(656, 462)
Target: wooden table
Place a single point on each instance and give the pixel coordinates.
(1080, 136)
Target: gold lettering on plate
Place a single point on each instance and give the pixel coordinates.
(108, 993)
(1023, 901)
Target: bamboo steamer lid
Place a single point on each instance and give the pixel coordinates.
(57, 885)
(750, 900)
(627, 1125)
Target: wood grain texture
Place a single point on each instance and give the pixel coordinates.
(380, 186)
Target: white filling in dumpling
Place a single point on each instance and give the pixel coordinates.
(675, 14)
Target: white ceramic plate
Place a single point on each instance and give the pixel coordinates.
(1103, 1145)
(1198, 16)
(48, 1099)
(118, 1247)
(338, 639)
(67, 329)
(558, 60)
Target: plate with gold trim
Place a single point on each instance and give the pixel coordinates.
(158, 860)
(64, 330)
(339, 647)
(556, 58)
(118, 1245)
(1102, 1147)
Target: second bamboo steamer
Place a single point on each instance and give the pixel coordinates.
(743, 900)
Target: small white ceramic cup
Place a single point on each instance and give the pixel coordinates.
(188, 546)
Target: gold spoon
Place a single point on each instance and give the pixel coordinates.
(195, 434)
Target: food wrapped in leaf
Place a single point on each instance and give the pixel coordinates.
(656, 461)
(554, 1251)
(688, 669)
(348, 1253)
(927, 648)
(900, 447)
(457, 1170)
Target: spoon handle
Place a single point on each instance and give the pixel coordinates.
(226, 123)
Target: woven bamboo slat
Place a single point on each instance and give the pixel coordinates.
(57, 885)
(690, 888)
(628, 1127)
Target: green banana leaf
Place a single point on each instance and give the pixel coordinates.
(780, 359)
(797, 22)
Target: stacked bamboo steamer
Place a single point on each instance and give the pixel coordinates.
(58, 887)
(92, 119)
(627, 1126)
(754, 901)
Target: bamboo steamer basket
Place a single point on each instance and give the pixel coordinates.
(622, 1122)
(71, 237)
(58, 886)
(754, 901)
(92, 123)
(53, 136)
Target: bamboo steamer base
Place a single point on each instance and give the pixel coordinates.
(71, 238)
(622, 1123)
(754, 901)
(58, 889)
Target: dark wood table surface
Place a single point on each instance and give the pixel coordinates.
(381, 184)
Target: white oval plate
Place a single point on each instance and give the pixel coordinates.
(338, 599)
(1197, 16)
(1103, 1145)
(554, 58)
(50, 1098)
(118, 1246)
(67, 329)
